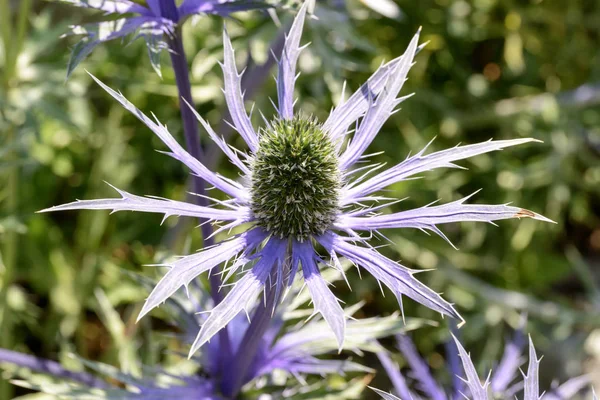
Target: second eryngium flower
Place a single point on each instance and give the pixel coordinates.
(152, 21)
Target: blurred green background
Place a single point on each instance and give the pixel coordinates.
(493, 69)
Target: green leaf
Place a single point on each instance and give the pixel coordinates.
(79, 53)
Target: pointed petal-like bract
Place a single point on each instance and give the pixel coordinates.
(387, 396)
(314, 338)
(286, 77)
(239, 298)
(357, 105)
(185, 269)
(155, 45)
(532, 388)
(420, 163)
(397, 278)
(80, 51)
(420, 369)
(109, 6)
(478, 391)
(222, 8)
(98, 33)
(379, 112)
(233, 157)
(454, 368)
(393, 372)
(188, 7)
(131, 202)
(429, 216)
(37, 364)
(234, 96)
(509, 364)
(323, 300)
(569, 389)
(316, 366)
(177, 151)
(244, 292)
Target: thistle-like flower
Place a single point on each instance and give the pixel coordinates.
(152, 22)
(466, 383)
(299, 189)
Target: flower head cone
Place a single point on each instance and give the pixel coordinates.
(299, 189)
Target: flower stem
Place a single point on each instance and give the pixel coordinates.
(250, 343)
(168, 10)
(190, 129)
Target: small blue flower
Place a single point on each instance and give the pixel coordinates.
(299, 189)
(152, 22)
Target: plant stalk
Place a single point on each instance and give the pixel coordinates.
(190, 129)
(261, 320)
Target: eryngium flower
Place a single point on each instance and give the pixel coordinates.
(298, 190)
(152, 22)
(466, 382)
